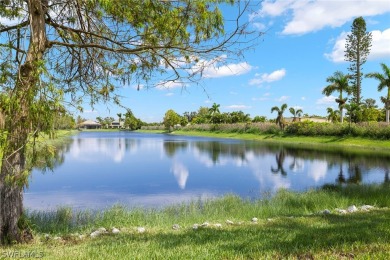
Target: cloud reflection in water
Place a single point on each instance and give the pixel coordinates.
(101, 169)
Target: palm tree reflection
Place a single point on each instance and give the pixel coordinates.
(387, 179)
(279, 162)
(340, 178)
(355, 174)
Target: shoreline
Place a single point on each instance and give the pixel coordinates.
(328, 222)
(323, 223)
(344, 144)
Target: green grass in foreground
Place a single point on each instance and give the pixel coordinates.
(289, 227)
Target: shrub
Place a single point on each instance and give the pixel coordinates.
(366, 129)
(373, 130)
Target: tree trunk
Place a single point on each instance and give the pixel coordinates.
(18, 121)
(358, 72)
(11, 188)
(341, 115)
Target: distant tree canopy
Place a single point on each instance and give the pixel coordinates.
(131, 122)
(339, 82)
(384, 82)
(171, 119)
(64, 121)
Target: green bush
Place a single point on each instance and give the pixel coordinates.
(372, 130)
(252, 128)
(367, 129)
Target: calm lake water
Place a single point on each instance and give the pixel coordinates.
(99, 169)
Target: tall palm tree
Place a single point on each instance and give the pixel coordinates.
(119, 117)
(339, 82)
(384, 82)
(296, 113)
(214, 109)
(280, 119)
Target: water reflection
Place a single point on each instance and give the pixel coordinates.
(181, 174)
(100, 169)
(90, 149)
(280, 157)
(172, 146)
(48, 157)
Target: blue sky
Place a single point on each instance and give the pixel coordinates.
(302, 46)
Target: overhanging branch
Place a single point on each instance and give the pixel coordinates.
(12, 47)
(13, 27)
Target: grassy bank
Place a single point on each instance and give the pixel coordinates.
(315, 142)
(290, 225)
(59, 137)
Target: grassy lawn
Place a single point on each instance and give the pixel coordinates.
(315, 142)
(290, 226)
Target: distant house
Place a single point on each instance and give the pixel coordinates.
(89, 124)
(312, 119)
(316, 119)
(116, 124)
(291, 119)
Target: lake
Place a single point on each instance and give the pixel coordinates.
(96, 170)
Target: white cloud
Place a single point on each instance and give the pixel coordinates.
(218, 67)
(136, 87)
(226, 70)
(263, 98)
(326, 100)
(337, 54)
(170, 85)
(259, 26)
(313, 15)
(10, 22)
(303, 98)
(297, 107)
(265, 77)
(275, 8)
(169, 94)
(241, 107)
(90, 111)
(380, 46)
(260, 99)
(282, 98)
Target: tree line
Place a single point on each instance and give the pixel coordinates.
(347, 85)
(358, 46)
